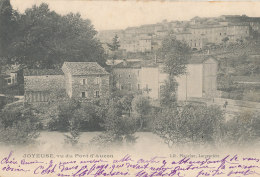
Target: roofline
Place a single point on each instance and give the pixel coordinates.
(45, 75)
(89, 74)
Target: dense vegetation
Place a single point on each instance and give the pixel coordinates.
(41, 38)
(18, 124)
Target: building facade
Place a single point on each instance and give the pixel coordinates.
(40, 83)
(85, 80)
(137, 77)
(200, 79)
(80, 80)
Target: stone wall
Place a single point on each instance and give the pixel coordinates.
(127, 78)
(90, 87)
(38, 88)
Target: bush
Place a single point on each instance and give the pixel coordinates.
(18, 125)
(118, 131)
(243, 129)
(118, 128)
(192, 123)
(141, 107)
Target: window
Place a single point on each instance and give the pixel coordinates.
(122, 87)
(83, 94)
(97, 80)
(119, 75)
(129, 86)
(97, 94)
(138, 86)
(83, 81)
(9, 81)
(129, 75)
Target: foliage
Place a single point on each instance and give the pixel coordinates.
(175, 55)
(243, 129)
(2, 102)
(42, 35)
(118, 128)
(18, 125)
(141, 107)
(117, 132)
(61, 110)
(225, 39)
(63, 115)
(168, 93)
(74, 130)
(115, 44)
(252, 95)
(190, 124)
(126, 103)
(8, 25)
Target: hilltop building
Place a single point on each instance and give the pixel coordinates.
(197, 33)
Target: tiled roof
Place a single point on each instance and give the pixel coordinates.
(84, 68)
(136, 64)
(127, 64)
(42, 72)
(198, 59)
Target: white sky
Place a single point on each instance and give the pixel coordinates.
(121, 14)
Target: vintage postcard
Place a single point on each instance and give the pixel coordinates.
(129, 88)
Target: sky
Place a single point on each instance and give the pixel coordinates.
(114, 14)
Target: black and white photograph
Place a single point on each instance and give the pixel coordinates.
(129, 88)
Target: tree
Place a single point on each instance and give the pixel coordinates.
(243, 129)
(118, 128)
(18, 125)
(115, 44)
(175, 55)
(168, 93)
(126, 103)
(196, 124)
(141, 107)
(225, 40)
(8, 27)
(46, 39)
(114, 47)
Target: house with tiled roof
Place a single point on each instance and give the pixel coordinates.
(80, 80)
(85, 80)
(40, 83)
(144, 77)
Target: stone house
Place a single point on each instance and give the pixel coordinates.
(139, 77)
(40, 83)
(80, 80)
(85, 80)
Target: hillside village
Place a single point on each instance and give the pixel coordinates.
(197, 33)
(211, 39)
(59, 74)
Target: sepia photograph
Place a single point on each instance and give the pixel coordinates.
(129, 88)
